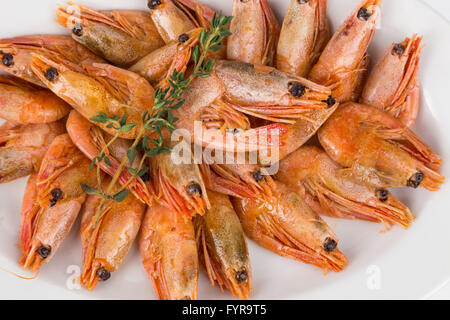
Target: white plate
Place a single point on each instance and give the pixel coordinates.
(397, 264)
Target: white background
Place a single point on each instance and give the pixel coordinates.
(443, 7)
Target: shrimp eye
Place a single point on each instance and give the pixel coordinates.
(302, 1)
(103, 274)
(56, 195)
(364, 14)
(194, 188)
(146, 177)
(398, 49)
(78, 30)
(152, 4)
(382, 195)
(51, 74)
(241, 276)
(415, 180)
(183, 38)
(297, 89)
(8, 59)
(330, 101)
(186, 298)
(329, 245)
(44, 252)
(233, 131)
(258, 176)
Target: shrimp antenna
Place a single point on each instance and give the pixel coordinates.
(18, 275)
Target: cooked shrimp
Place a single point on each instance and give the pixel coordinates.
(160, 64)
(55, 203)
(175, 18)
(393, 84)
(106, 242)
(24, 103)
(287, 96)
(22, 147)
(312, 173)
(91, 140)
(95, 88)
(169, 19)
(344, 60)
(169, 253)
(120, 36)
(285, 225)
(222, 247)
(378, 150)
(304, 35)
(180, 186)
(255, 32)
(17, 53)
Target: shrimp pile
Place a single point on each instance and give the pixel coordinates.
(343, 138)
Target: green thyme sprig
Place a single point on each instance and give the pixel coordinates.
(159, 119)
